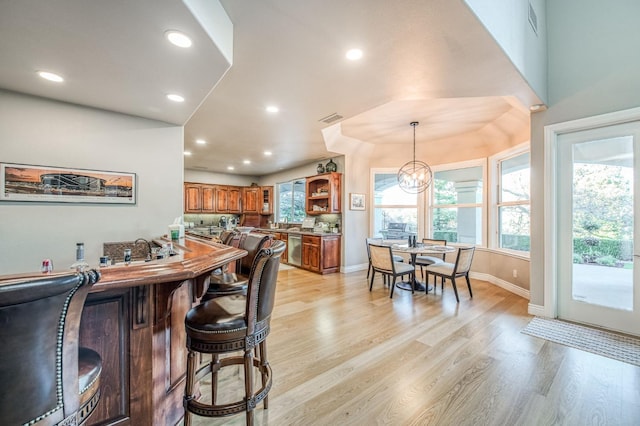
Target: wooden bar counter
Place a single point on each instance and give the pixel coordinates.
(134, 318)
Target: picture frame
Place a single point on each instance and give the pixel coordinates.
(25, 182)
(356, 201)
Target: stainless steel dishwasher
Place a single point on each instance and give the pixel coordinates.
(294, 254)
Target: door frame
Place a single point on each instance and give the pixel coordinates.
(551, 134)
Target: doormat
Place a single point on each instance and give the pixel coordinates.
(611, 345)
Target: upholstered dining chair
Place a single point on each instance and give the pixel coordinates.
(226, 282)
(45, 378)
(378, 241)
(423, 261)
(228, 324)
(455, 270)
(382, 261)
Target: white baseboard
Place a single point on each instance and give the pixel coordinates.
(354, 268)
(501, 283)
(537, 310)
(524, 293)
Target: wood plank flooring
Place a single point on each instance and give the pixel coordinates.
(342, 355)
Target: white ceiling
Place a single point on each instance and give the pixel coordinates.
(428, 61)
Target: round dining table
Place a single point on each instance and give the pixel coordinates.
(413, 252)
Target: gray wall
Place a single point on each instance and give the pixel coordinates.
(508, 23)
(593, 69)
(42, 132)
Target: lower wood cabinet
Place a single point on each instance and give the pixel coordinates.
(321, 253)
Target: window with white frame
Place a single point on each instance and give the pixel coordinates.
(512, 206)
(457, 204)
(395, 212)
(291, 201)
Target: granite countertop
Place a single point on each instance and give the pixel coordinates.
(297, 232)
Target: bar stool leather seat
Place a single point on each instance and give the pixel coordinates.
(224, 283)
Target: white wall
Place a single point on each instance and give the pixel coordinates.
(507, 21)
(593, 70)
(199, 176)
(42, 132)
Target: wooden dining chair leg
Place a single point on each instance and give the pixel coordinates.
(371, 282)
(393, 286)
(455, 288)
(469, 285)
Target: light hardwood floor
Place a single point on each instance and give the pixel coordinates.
(342, 355)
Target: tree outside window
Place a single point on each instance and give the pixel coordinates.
(291, 201)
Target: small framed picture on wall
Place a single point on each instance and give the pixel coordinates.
(356, 201)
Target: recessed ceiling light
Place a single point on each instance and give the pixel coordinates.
(201, 142)
(272, 109)
(187, 153)
(230, 168)
(267, 153)
(50, 76)
(354, 54)
(177, 38)
(246, 162)
(175, 98)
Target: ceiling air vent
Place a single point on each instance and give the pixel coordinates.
(331, 118)
(533, 19)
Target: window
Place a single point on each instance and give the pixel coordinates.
(291, 201)
(512, 205)
(456, 210)
(395, 212)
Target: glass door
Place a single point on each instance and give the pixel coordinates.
(597, 232)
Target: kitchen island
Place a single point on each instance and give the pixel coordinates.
(134, 318)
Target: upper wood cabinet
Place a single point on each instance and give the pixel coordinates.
(205, 198)
(192, 198)
(267, 200)
(251, 199)
(324, 193)
(228, 199)
(199, 198)
(234, 199)
(208, 198)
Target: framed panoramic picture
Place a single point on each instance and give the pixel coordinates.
(356, 201)
(23, 182)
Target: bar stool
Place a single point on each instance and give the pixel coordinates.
(224, 283)
(46, 379)
(234, 323)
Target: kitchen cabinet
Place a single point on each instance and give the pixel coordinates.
(228, 199)
(321, 253)
(284, 238)
(267, 199)
(207, 198)
(251, 199)
(324, 193)
(192, 198)
(198, 198)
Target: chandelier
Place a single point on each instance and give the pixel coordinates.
(415, 176)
